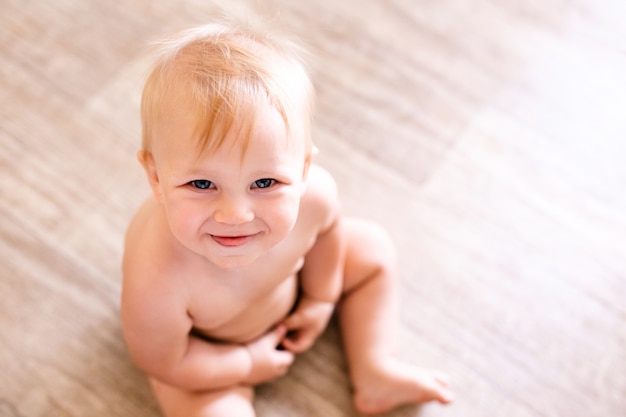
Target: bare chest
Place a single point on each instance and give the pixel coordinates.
(244, 308)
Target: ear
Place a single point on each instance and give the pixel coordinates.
(307, 165)
(147, 162)
(308, 160)
(305, 173)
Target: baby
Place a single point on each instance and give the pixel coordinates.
(239, 258)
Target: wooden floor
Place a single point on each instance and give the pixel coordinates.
(488, 136)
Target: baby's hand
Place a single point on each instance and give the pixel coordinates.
(306, 323)
(268, 361)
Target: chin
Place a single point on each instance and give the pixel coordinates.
(232, 262)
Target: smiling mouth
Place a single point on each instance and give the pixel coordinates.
(232, 241)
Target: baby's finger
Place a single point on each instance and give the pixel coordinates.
(277, 334)
(282, 362)
(288, 345)
(299, 342)
(293, 322)
(285, 357)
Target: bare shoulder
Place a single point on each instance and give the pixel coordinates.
(321, 187)
(321, 198)
(149, 267)
(143, 246)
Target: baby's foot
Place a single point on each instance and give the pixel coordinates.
(394, 383)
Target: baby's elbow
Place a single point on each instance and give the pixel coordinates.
(147, 359)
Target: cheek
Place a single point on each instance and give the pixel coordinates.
(185, 218)
(284, 213)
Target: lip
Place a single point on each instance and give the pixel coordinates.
(232, 241)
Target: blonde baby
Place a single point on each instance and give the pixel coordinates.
(240, 256)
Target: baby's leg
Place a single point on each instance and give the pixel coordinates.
(367, 316)
(235, 401)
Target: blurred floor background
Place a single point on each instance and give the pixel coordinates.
(488, 136)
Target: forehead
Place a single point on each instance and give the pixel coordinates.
(257, 131)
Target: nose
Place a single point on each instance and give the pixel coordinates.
(233, 211)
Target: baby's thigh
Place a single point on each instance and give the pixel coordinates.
(369, 251)
(228, 402)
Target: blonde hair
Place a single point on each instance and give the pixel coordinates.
(225, 73)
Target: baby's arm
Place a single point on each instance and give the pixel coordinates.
(322, 275)
(157, 329)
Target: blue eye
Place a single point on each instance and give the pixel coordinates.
(201, 184)
(264, 183)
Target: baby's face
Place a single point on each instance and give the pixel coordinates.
(228, 206)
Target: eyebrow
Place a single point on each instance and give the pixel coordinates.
(203, 173)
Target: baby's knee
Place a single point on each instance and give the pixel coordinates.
(371, 242)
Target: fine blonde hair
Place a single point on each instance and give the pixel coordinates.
(225, 72)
